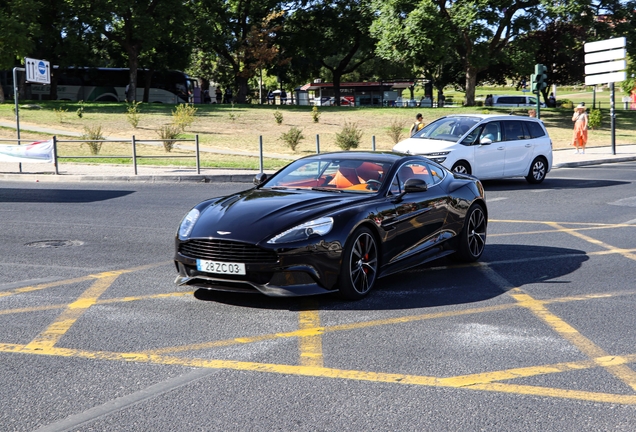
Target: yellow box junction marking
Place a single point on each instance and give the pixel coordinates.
(310, 333)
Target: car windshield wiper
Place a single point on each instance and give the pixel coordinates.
(324, 189)
(279, 188)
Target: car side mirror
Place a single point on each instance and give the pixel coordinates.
(485, 141)
(415, 185)
(259, 179)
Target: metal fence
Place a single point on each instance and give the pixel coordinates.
(135, 157)
(132, 155)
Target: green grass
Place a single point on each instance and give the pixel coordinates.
(227, 128)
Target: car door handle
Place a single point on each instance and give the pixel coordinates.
(500, 148)
(528, 145)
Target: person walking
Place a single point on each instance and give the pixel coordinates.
(418, 125)
(579, 138)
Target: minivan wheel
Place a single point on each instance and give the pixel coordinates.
(538, 171)
(461, 167)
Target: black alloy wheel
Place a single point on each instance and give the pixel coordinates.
(461, 167)
(472, 240)
(538, 171)
(359, 265)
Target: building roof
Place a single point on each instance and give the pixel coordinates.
(362, 85)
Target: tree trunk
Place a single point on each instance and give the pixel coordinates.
(2, 97)
(243, 89)
(336, 87)
(133, 64)
(471, 83)
(53, 93)
(147, 84)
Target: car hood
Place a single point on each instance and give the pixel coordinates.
(423, 146)
(258, 214)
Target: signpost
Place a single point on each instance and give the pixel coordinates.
(606, 63)
(37, 71)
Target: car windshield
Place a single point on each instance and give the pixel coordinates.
(331, 175)
(448, 128)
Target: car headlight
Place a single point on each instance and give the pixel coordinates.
(438, 157)
(188, 223)
(302, 232)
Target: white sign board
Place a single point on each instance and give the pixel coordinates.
(602, 56)
(605, 45)
(613, 77)
(606, 61)
(37, 71)
(599, 68)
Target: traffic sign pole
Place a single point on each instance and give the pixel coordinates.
(16, 91)
(605, 63)
(613, 118)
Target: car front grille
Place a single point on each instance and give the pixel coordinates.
(225, 250)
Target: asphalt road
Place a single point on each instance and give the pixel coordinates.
(539, 335)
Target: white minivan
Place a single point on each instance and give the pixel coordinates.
(515, 101)
(485, 146)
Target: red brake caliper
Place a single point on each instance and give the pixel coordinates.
(366, 259)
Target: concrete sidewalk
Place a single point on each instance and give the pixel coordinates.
(71, 172)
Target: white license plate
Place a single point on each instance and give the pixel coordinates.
(221, 267)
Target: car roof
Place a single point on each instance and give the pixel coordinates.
(493, 116)
(384, 156)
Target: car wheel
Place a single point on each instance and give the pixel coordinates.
(359, 265)
(461, 167)
(538, 170)
(472, 239)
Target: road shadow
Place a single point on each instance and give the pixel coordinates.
(59, 195)
(548, 184)
(440, 283)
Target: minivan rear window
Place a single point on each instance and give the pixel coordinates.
(513, 130)
(535, 129)
(511, 100)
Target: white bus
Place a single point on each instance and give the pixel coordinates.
(109, 85)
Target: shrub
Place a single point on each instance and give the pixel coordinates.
(93, 133)
(595, 119)
(60, 113)
(183, 116)
(80, 110)
(349, 137)
(169, 132)
(565, 103)
(315, 115)
(278, 116)
(132, 113)
(396, 130)
(292, 137)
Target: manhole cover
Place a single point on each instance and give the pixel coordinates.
(55, 243)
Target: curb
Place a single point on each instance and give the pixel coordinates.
(61, 178)
(593, 162)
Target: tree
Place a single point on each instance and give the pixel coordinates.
(559, 47)
(63, 40)
(18, 26)
(478, 32)
(136, 27)
(241, 35)
(334, 34)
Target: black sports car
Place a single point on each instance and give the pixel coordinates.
(332, 222)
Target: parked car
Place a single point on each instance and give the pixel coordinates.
(485, 146)
(333, 222)
(515, 101)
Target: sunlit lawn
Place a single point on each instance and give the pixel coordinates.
(238, 128)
